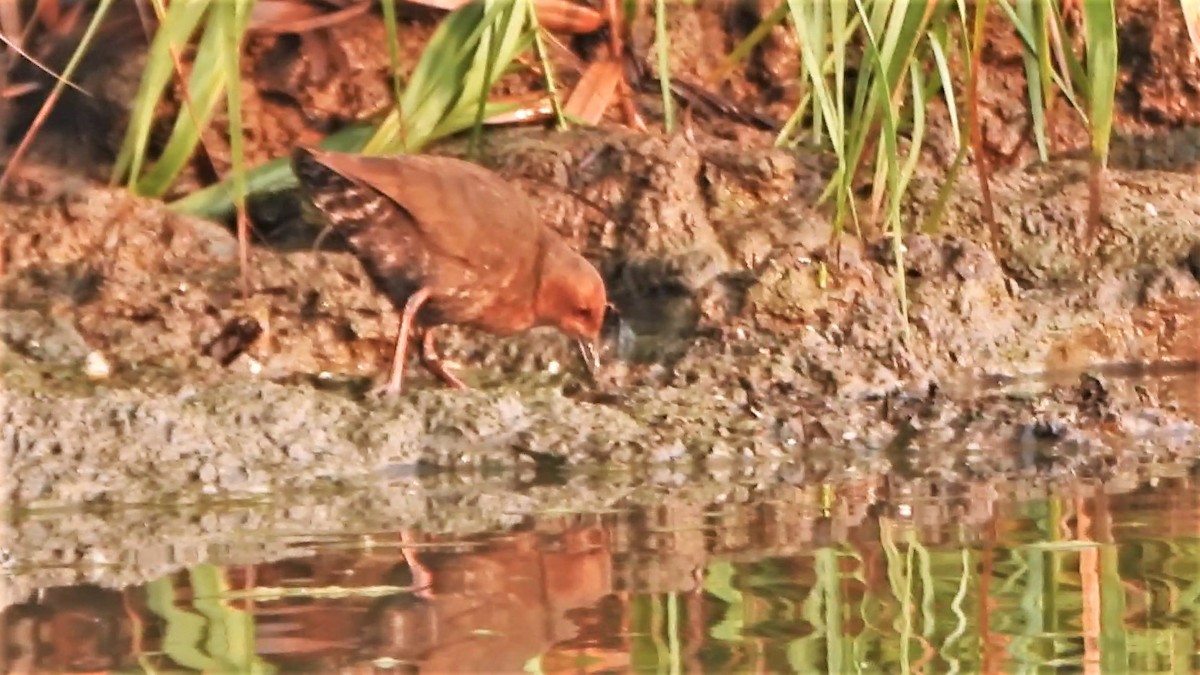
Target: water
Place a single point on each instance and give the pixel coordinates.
(1005, 577)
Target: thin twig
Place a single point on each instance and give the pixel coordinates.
(312, 23)
(29, 57)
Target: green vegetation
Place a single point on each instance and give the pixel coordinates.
(869, 70)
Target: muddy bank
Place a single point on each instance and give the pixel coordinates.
(729, 341)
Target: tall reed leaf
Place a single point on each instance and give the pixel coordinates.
(207, 86)
(891, 153)
(543, 55)
(391, 27)
(818, 56)
(441, 98)
(662, 42)
(176, 26)
(231, 19)
(216, 201)
(1029, 21)
(1100, 28)
(501, 42)
(445, 87)
(744, 48)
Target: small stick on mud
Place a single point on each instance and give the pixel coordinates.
(616, 25)
(976, 130)
(1095, 178)
(243, 236)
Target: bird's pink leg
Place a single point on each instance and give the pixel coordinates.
(434, 364)
(396, 376)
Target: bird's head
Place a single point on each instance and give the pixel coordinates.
(571, 297)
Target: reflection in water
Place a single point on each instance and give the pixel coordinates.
(969, 583)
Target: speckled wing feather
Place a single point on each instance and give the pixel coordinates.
(462, 210)
(338, 200)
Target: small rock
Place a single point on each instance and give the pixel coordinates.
(96, 366)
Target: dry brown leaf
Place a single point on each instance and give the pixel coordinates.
(298, 16)
(595, 90)
(560, 16)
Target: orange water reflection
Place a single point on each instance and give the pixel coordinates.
(975, 581)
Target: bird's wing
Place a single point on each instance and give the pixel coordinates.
(461, 209)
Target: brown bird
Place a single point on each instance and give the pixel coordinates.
(450, 242)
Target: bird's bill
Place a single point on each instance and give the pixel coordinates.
(591, 355)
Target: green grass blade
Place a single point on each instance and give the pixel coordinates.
(744, 48)
(842, 24)
(463, 118)
(1100, 29)
(1073, 73)
(480, 76)
(662, 43)
(391, 27)
(917, 138)
(433, 84)
(891, 157)
(498, 47)
(444, 76)
(946, 79)
(182, 630)
(175, 29)
(216, 201)
(439, 79)
(1043, 16)
(516, 38)
(206, 86)
(457, 48)
(813, 67)
(1025, 16)
(230, 17)
(903, 29)
(1021, 22)
(543, 55)
(841, 28)
(818, 35)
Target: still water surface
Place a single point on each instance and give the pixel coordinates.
(1083, 576)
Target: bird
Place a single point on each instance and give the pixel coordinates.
(450, 242)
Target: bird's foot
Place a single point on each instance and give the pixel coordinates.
(436, 364)
(387, 388)
(441, 369)
(383, 390)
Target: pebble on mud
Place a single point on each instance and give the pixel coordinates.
(96, 367)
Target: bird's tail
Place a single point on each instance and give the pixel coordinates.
(309, 170)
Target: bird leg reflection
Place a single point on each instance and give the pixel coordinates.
(396, 376)
(422, 577)
(434, 363)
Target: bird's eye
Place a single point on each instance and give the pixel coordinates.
(584, 312)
